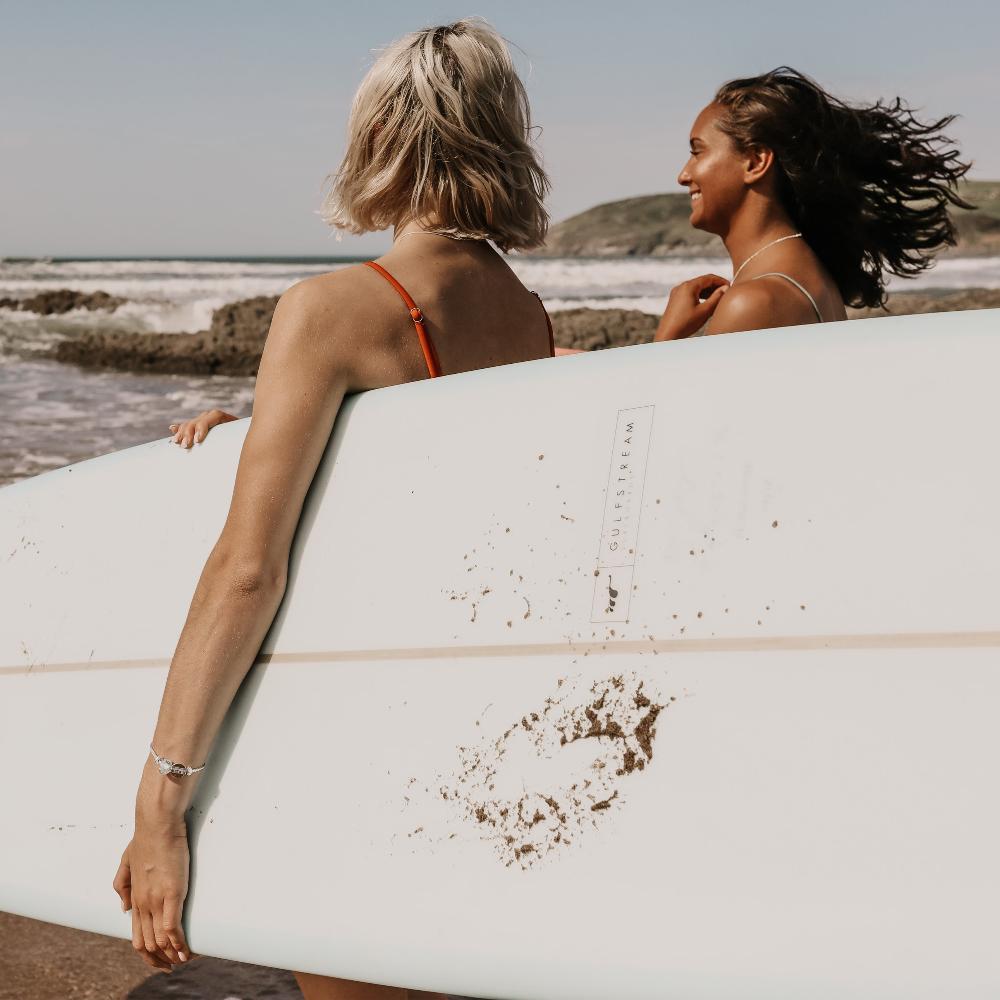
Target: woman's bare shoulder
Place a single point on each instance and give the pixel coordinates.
(332, 290)
(757, 305)
(343, 310)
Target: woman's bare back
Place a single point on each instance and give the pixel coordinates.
(477, 313)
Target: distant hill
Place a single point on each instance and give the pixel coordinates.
(656, 225)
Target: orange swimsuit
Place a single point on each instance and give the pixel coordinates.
(430, 356)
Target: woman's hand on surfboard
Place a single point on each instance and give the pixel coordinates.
(190, 432)
(690, 306)
(152, 882)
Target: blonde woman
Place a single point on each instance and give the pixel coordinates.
(438, 149)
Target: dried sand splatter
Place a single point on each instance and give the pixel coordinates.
(616, 717)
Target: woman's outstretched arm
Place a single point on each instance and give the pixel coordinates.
(306, 368)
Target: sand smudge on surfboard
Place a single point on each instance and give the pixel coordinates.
(612, 727)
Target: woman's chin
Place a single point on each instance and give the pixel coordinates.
(697, 218)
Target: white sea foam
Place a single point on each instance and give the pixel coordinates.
(593, 278)
(162, 296)
(53, 414)
(180, 295)
(953, 272)
(653, 304)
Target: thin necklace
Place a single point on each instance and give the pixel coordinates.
(792, 236)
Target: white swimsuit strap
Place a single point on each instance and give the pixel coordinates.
(779, 274)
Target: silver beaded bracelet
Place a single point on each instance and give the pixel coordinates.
(167, 766)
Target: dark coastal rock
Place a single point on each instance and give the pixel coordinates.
(653, 225)
(247, 319)
(166, 353)
(907, 303)
(62, 300)
(235, 340)
(596, 329)
(231, 346)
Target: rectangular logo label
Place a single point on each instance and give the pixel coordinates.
(622, 508)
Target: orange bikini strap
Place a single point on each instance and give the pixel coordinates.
(418, 319)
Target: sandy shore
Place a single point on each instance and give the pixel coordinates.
(42, 961)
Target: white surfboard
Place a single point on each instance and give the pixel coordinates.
(663, 672)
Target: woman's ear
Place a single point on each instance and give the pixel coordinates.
(758, 160)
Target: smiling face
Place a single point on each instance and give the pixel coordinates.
(715, 174)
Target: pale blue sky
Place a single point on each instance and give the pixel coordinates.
(137, 127)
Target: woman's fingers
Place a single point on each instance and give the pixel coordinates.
(194, 431)
(706, 284)
(139, 944)
(149, 940)
(148, 937)
(157, 935)
(172, 929)
(201, 427)
(156, 963)
(163, 942)
(689, 306)
(711, 279)
(137, 941)
(184, 434)
(122, 883)
(714, 298)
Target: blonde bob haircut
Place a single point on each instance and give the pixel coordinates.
(440, 130)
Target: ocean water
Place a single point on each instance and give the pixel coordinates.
(52, 415)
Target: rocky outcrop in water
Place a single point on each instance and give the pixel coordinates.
(62, 300)
(231, 346)
(907, 303)
(235, 340)
(597, 329)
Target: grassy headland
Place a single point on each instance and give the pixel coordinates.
(656, 225)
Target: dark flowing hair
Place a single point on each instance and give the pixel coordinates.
(869, 187)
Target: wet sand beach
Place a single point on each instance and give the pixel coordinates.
(42, 961)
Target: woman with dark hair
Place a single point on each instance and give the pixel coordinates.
(815, 200)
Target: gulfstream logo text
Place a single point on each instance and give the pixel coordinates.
(623, 504)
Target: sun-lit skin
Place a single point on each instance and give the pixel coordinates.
(734, 194)
(331, 334)
(716, 178)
